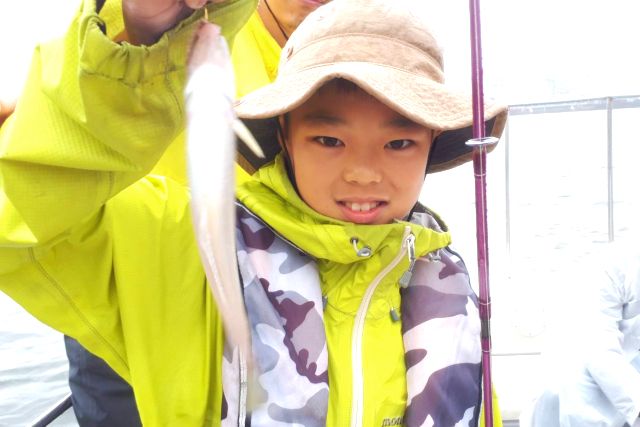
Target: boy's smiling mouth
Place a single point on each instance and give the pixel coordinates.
(362, 212)
(361, 207)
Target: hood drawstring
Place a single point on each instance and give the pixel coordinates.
(365, 251)
(362, 253)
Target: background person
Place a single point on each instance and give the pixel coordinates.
(600, 387)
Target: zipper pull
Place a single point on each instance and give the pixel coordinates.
(411, 254)
(394, 314)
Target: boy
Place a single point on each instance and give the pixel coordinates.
(324, 234)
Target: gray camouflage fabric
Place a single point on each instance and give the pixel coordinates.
(440, 323)
(441, 334)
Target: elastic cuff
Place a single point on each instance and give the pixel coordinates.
(133, 65)
(137, 64)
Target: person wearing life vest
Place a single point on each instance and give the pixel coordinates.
(359, 310)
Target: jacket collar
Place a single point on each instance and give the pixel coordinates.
(270, 195)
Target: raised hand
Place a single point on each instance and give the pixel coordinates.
(147, 20)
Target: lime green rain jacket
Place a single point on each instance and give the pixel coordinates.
(98, 251)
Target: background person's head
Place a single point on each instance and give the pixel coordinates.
(282, 17)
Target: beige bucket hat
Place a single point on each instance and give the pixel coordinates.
(386, 50)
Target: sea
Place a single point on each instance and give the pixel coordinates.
(549, 215)
(33, 366)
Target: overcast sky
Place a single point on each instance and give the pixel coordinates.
(533, 51)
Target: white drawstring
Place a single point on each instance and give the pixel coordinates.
(362, 253)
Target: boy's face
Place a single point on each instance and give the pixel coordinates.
(355, 159)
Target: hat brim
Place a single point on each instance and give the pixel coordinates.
(416, 97)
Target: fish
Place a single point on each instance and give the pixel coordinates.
(212, 127)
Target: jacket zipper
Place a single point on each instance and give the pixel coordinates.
(357, 398)
(357, 401)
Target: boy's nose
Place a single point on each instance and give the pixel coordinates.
(362, 173)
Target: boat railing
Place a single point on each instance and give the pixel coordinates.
(608, 104)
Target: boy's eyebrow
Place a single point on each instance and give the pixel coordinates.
(322, 118)
(326, 118)
(402, 123)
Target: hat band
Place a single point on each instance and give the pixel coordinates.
(367, 48)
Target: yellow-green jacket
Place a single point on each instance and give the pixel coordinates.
(100, 254)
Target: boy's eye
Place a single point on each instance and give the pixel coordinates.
(399, 144)
(328, 141)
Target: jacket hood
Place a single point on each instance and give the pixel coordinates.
(270, 195)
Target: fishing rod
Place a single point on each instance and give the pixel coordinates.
(480, 143)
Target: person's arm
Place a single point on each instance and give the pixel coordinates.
(607, 364)
(94, 117)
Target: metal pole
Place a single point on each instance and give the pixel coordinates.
(610, 168)
(507, 189)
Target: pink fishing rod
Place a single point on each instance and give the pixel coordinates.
(479, 144)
